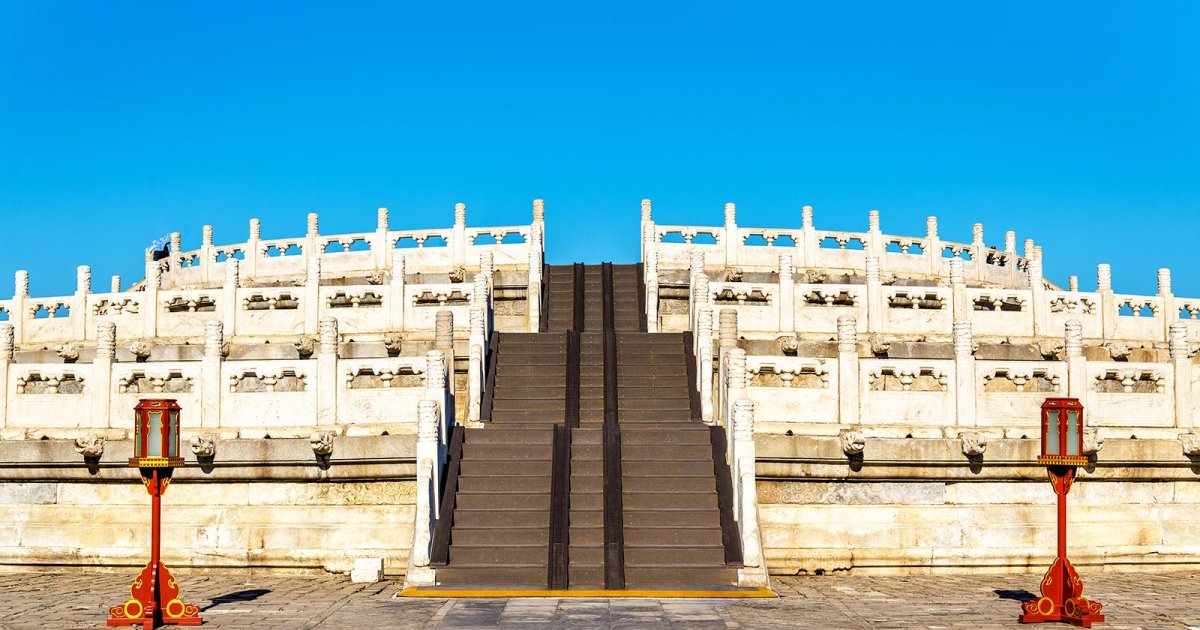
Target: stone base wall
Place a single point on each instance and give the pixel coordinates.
(281, 513)
(897, 516)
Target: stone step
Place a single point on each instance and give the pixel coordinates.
(677, 576)
(661, 452)
(653, 416)
(688, 434)
(496, 554)
(673, 483)
(498, 501)
(501, 535)
(530, 391)
(669, 500)
(672, 535)
(690, 555)
(501, 434)
(650, 518)
(509, 452)
(531, 576)
(586, 555)
(530, 404)
(528, 484)
(505, 468)
(651, 467)
(495, 519)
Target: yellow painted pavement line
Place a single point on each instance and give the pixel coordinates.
(752, 593)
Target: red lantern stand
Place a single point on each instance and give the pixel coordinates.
(155, 594)
(1062, 452)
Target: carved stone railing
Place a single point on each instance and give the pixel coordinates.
(247, 398)
(768, 309)
(438, 250)
(943, 397)
(732, 247)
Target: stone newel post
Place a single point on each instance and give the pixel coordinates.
(787, 295)
(808, 240)
(754, 571)
(429, 459)
(1169, 314)
(250, 260)
(978, 251)
(704, 362)
(534, 290)
(443, 336)
(397, 302)
(115, 284)
(476, 377)
(960, 300)
(327, 376)
(7, 347)
(847, 379)
(458, 237)
(311, 302)
(210, 374)
(874, 235)
(1076, 362)
(933, 246)
(651, 280)
(79, 310)
(208, 255)
(876, 313)
(1037, 298)
(649, 233)
(101, 380)
(1182, 373)
(17, 314)
(736, 381)
(964, 374)
(436, 390)
(733, 238)
(696, 261)
(381, 244)
(149, 301)
(1108, 302)
(229, 295)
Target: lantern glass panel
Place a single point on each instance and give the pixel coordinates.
(1050, 447)
(1072, 432)
(173, 435)
(137, 434)
(155, 438)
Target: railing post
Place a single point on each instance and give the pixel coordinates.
(398, 304)
(381, 244)
(1169, 312)
(327, 376)
(173, 262)
(933, 247)
(208, 257)
(230, 306)
(696, 262)
(1076, 362)
(435, 390)
(443, 335)
(1108, 302)
(847, 379)
(733, 238)
(787, 295)
(964, 375)
(431, 441)
(874, 236)
(704, 361)
(649, 232)
(458, 237)
(534, 291)
(475, 369)
(150, 299)
(311, 251)
(960, 299)
(1182, 374)
(7, 347)
(753, 572)
(978, 252)
(311, 302)
(100, 383)
(736, 381)
(876, 313)
(18, 314)
(79, 310)
(250, 256)
(809, 244)
(651, 281)
(1010, 256)
(210, 373)
(1037, 298)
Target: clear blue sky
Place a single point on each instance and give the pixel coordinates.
(1076, 123)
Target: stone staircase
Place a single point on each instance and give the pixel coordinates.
(638, 500)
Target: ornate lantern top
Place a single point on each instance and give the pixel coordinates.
(1062, 433)
(156, 434)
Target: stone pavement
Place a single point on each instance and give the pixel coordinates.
(270, 602)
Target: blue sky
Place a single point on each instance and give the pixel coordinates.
(1073, 123)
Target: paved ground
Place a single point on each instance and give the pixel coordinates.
(67, 601)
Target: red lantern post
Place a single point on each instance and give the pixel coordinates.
(155, 594)
(1062, 452)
